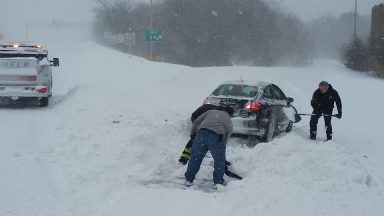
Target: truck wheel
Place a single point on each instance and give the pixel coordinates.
(269, 132)
(5, 101)
(44, 102)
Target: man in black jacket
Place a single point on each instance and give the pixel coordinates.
(323, 101)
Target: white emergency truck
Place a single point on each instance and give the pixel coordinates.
(25, 73)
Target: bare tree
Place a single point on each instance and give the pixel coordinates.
(213, 32)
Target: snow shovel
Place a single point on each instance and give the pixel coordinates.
(298, 115)
(229, 173)
(233, 175)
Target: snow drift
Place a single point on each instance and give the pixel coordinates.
(109, 143)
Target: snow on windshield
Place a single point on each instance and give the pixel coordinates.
(236, 91)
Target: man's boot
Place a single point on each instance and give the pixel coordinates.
(188, 183)
(313, 136)
(329, 137)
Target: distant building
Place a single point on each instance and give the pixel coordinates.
(377, 37)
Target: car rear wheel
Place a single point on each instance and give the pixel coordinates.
(44, 102)
(269, 132)
(252, 141)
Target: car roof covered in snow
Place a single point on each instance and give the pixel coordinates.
(259, 84)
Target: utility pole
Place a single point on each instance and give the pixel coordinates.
(26, 32)
(355, 29)
(151, 27)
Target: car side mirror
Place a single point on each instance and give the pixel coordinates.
(55, 62)
(290, 100)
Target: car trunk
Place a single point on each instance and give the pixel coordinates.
(237, 104)
(18, 72)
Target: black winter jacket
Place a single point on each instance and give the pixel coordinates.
(324, 103)
(201, 110)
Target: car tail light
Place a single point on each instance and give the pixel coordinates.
(253, 107)
(44, 90)
(206, 101)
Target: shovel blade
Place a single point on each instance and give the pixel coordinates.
(297, 118)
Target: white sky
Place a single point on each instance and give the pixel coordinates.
(310, 9)
(15, 13)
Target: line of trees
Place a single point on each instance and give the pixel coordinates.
(333, 38)
(331, 33)
(211, 32)
(356, 55)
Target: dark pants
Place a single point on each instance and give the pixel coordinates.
(206, 140)
(315, 120)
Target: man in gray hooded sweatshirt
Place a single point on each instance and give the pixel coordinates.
(212, 130)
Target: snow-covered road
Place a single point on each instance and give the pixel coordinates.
(109, 142)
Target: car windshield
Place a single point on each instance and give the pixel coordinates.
(236, 91)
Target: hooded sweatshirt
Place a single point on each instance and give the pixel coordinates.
(214, 120)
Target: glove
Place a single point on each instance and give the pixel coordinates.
(338, 116)
(227, 163)
(183, 160)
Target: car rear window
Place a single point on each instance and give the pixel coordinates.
(236, 91)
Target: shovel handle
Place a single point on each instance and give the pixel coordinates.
(315, 115)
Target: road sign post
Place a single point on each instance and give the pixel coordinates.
(153, 35)
(130, 40)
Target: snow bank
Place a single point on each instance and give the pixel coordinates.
(109, 144)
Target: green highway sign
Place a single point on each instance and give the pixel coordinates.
(153, 35)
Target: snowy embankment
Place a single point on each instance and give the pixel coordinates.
(109, 143)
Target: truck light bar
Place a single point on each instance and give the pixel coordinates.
(22, 49)
(17, 45)
(11, 46)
